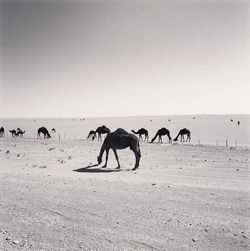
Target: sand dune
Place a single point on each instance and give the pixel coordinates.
(182, 197)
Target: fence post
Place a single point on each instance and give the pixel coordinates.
(199, 143)
(226, 143)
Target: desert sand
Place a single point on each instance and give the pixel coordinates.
(182, 197)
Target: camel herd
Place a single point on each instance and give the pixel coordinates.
(144, 132)
(117, 140)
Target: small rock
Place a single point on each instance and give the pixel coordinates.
(15, 242)
(154, 184)
(7, 238)
(8, 151)
(52, 148)
(18, 155)
(70, 158)
(194, 240)
(237, 169)
(43, 166)
(62, 161)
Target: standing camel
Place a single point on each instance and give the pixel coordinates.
(162, 132)
(13, 133)
(101, 130)
(183, 132)
(2, 132)
(44, 131)
(118, 140)
(141, 132)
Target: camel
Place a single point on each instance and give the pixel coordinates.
(13, 133)
(118, 140)
(20, 132)
(101, 130)
(141, 132)
(161, 132)
(44, 131)
(183, 132)
(2, 132)
(91, 135)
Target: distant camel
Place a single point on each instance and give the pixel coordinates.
(91, 135)
(120, 139)
(2, 132)
(101, 130)
(183, 132)
(161, 132)
(141, 132)
(20, 132)
(13, 133)
(44, 131)
(238, 123)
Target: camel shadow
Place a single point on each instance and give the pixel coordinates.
(89, 169)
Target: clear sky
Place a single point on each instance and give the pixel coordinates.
(123, 57)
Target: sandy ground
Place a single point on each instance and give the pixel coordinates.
(182, 197)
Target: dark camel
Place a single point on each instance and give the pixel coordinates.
(118, 140)
(141, 132)
(91, 135)
(183, 132)
(101, 130)
(13, 133)
(1, 132)
(162, 132)
(44, 131)
(20, 132)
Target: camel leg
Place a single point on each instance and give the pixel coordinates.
(116, 156)
(137, 153)
(107, 156)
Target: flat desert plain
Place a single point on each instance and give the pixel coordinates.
(182, 197)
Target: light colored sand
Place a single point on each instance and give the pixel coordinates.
(182, 198)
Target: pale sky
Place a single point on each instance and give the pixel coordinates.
(119, 57)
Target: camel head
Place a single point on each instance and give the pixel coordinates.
(99, 159)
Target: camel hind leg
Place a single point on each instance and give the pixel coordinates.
(137, 152)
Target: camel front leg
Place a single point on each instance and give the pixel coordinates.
(107, 156)
(116, 156)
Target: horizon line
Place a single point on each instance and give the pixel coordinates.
(126, 116)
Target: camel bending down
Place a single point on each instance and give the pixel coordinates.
(101, 130)
(20, 132)
(141, 132)
(91, 135)
(183, 132)
(162, 132)
(118, 140)
(44, 131)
